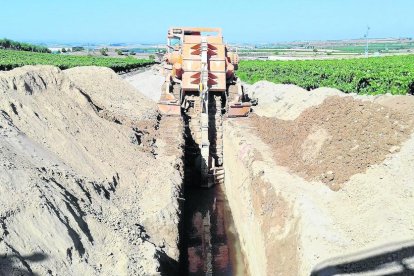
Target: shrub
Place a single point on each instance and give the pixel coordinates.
(104, 51)
(77, 49)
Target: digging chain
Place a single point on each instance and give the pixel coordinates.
(195, 121)
(216, 129)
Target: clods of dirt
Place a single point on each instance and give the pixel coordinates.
(336, 139)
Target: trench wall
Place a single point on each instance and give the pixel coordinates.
(264, 218)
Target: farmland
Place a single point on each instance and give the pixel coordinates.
(10, 59)
(378, 75)
(87, 140)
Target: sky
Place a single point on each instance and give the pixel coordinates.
(243, 21)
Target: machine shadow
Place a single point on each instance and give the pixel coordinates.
(16, 264)
(168, 266)
(393, 259)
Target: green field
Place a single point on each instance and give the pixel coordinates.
(376, 75)
(374, 47)
(10, 59)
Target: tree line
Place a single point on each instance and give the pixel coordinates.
(21, 46)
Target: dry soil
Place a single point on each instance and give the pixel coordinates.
(79, 192)
(277, 167)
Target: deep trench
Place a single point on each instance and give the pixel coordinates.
(200, 203)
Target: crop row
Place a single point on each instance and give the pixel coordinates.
(376, 75)
(10, 59)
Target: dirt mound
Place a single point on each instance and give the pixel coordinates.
(108, 91)
(286, 102)
(337, 139)
(373, 210)
(73, 198)
(403, 104)
(31, 79)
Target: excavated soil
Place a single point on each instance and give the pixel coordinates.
(337, 139)
(79, 191)
(91, 177)
(320, 182)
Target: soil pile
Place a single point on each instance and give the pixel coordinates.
(317, 226)
(337, 139)
(286, 102)
(74, 199)
(106, 89)
(290, 172)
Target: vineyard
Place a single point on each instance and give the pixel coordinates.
(378, 75)
(10, 59)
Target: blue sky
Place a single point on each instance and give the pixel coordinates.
(242, 21)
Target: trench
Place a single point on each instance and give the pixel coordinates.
(209, 242)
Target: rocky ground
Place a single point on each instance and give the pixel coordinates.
(79, 193)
